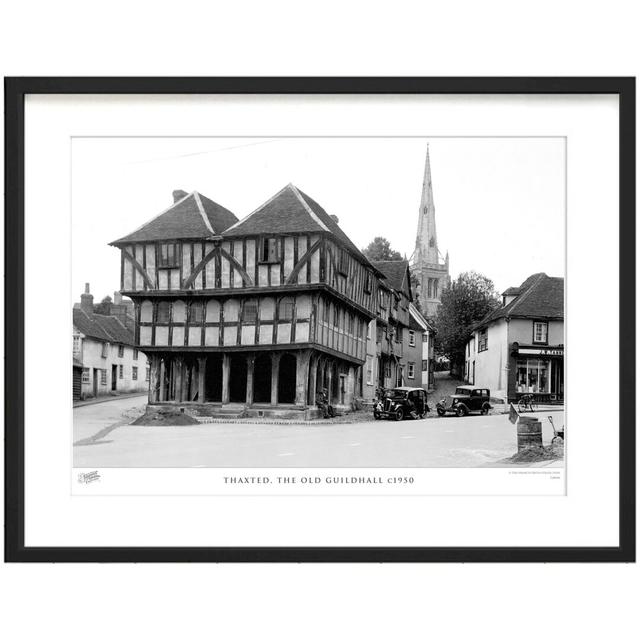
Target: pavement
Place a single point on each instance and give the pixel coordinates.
(102, 440)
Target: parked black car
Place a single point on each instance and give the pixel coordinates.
(402, 402)
(467, 398)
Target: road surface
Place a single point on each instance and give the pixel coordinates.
(471, 441)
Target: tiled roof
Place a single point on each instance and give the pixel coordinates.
(103, 328)
(396, 272)
(193, 216)
(540, 296)
(291, 211)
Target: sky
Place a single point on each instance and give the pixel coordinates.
(500, 202)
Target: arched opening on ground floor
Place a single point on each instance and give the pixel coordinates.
(213, 378)
(262, 378)
(237, 378)
(287, 379)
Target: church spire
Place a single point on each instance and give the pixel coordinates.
(427, 240)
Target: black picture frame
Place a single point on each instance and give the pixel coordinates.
(15, 91)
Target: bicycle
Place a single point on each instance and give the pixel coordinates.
(527, 403)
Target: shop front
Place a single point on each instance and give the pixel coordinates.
(538, 371)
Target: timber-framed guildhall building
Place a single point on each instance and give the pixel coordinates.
(251, 317)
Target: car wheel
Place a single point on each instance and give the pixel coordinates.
(399, 414)
(461, 411)
(376, 415)
(441, 412)
(485, 410)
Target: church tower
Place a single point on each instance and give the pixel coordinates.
(428, 267)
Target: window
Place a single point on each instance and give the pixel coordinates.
(369, 371)
(269, 250)
(425, 365)
(399, 333)
(146, 375)
(540, 332)
(412, 338)
(120, 350)
(134, 373)
(105, 349)
(164, 312)
(103, 376)
(432, 287)
(336, 316)
(425, 336)
(343, 262)
(85, 375)
(411, 370)
(121, 371)
(76, 345)
(169, 255)
(135, 354)
(367, 282)
(382, 299)
(482, 340)
(250, 312)
(532, 376)
(285, 310)
(196, 312)
(387, 369)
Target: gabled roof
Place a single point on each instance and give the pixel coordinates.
(397, 274)
(193, 216)
(539, 296)
(103, 328)
(291, 211)
(418, 318)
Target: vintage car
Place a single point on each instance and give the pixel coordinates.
(467, 398)
(402, 402)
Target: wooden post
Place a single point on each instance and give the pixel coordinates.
(179, 364)
(311, 391)
(163, 388)
(275, 369)
(329, 381)
(251, 360)
(302, 373)
(226, 369)
(202, 368)
(153, 378)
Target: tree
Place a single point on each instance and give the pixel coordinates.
(103, 307)
(380, 249)
(467, 301)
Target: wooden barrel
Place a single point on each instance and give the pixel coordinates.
(529, 433)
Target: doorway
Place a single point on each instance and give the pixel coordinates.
(96, 373)
(287, 379)
(114, 377)
(213, 379)
(262, 378)
(238, 378)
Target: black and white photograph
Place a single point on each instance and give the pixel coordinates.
(318, 302)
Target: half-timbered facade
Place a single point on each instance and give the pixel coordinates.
(260, 313)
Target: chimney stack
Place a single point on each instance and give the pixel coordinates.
(178, 194)
(86, 301)
(335, 219)
(117, 297)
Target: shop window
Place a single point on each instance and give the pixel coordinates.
(103, 376)
(168, 255)
(533, 376)
(412, 338)
(540, 332)
(411, 370)
(134, 373)
(250, 312)
(387, 369)
(483, 339)
(164, 312)
(85, 375)
(269, 250)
